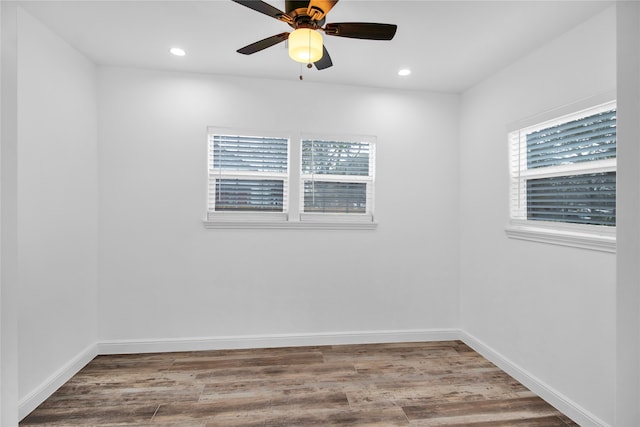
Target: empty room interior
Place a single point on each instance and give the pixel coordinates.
(125, 232)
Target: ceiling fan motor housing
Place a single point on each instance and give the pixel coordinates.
(291, 5)
(298, 11)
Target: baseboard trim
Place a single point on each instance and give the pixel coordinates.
(552, 396)
(55, 381)
(558, 400)
(278, 340)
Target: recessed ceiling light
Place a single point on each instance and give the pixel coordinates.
(404, 72)
(177, 51)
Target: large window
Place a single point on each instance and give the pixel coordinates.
(253, 178)
(563, 175)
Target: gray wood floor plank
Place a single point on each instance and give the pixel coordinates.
(398, 384)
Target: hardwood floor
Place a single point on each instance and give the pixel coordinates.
(404, 384)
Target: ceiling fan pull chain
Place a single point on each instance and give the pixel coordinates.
(309, 45)
(309, 49)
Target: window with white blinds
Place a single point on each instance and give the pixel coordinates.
(563, 171)
(248, 174)
(269, 180)
(337, 177)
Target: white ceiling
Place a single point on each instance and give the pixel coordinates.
(449, 45)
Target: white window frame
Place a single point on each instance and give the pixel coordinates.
(594, 237)
(293, 216)
(228, 217)
(369, 180)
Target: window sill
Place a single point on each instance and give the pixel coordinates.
(281, 221)
(597, 238)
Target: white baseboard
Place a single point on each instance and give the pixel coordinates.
(277, 340)
(548, 393)
(48, 387)
(55, 381)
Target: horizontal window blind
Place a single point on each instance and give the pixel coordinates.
(337, 176)
(564, 170)
(244, 153)
(248, 173)
(335, 197)
(579, 199)
(582, 140)
(249, 195)
(335, 158)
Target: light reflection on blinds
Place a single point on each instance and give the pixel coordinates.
(335, 158)
(586, 139)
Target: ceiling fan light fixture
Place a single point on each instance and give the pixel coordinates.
(305, 45)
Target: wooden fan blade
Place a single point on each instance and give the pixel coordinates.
(317, 9)
(361, 30)
(265, 8)
(263, 44)
(325, 61)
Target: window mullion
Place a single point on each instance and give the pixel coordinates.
(337, 178)
(295, 189)
(595, 166)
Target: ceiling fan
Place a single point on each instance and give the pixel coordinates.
(307, 18)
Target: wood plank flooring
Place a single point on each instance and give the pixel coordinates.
(404, 384)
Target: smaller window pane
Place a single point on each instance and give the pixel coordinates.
(335, 197)
(579, 199)
(581, 140)
(335, 158)
(244, 153)
(249, 195)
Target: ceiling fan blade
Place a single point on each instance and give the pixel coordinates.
(317, 9)
(325, 61)
(263, 44)
(262, 7)
(361, 30)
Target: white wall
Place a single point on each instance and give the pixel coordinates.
(163, 276)
(8, 217)
(628, 190)
(57, 203)
(554, 318)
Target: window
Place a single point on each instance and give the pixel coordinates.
(249, 181)
(248, 174)
(337, 177)
(563, 179)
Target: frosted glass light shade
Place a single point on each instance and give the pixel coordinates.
(305, 45)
